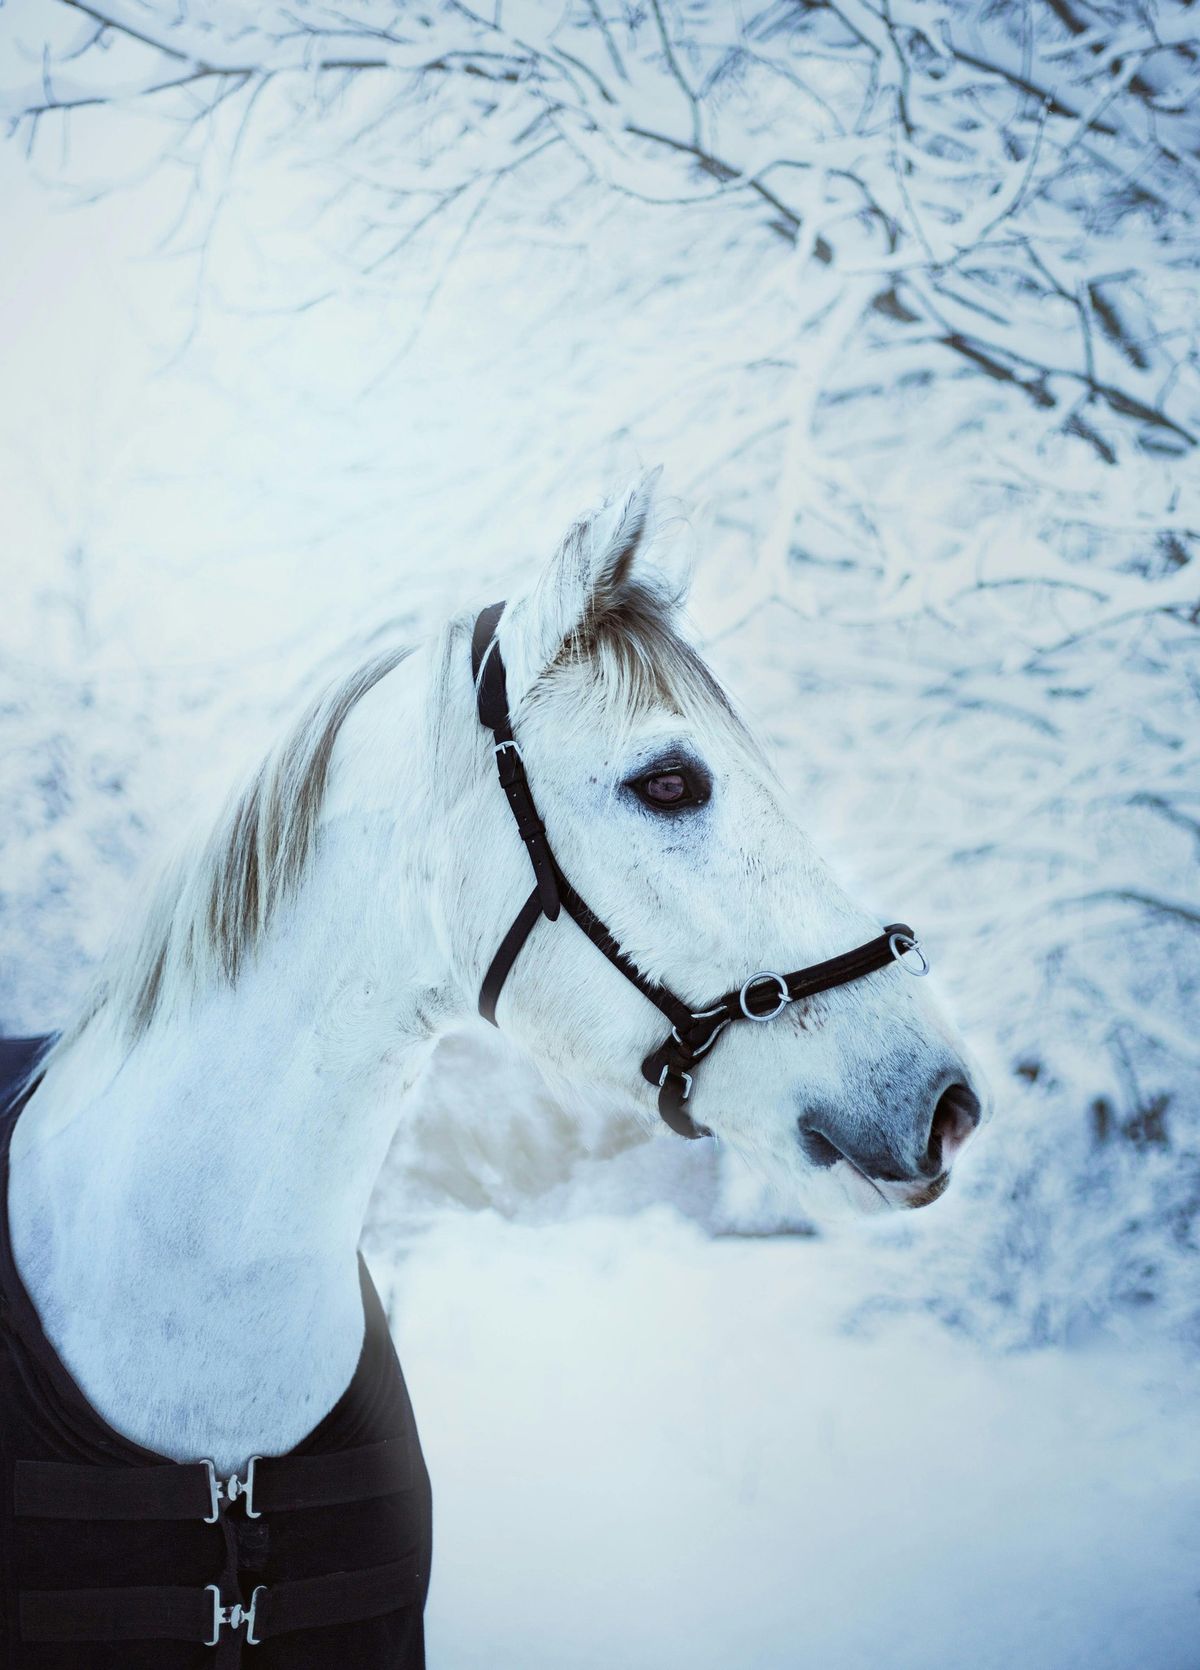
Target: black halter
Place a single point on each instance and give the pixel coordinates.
(671, 1067)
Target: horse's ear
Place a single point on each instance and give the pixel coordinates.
(603, 559)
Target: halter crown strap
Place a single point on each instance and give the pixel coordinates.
(671, 1067)
(491, 694)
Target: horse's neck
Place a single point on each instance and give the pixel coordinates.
(189, 1233)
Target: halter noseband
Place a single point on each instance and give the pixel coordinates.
(671, 1067)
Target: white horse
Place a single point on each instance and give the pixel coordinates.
(190, 1177)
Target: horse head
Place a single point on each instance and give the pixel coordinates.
(661, 811)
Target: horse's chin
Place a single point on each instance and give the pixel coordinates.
(862, 1198)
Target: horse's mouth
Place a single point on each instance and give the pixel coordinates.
(881, 1195)
(931, 1192)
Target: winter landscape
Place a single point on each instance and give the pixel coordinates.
(322, 323)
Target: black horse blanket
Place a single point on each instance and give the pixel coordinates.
(115, 1558)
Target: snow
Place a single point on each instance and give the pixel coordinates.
(653, 1449)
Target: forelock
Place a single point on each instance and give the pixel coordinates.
(639, 664)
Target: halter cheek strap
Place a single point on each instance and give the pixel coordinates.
(672, 1066)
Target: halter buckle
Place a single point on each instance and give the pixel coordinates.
(235, 1616)
(228, 1490)
(510, 764)
(687, 1082)
(900, 945)
(785, 997)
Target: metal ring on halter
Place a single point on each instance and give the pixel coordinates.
(896, 941)
(785, 997)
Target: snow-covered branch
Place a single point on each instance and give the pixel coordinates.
(995, 177)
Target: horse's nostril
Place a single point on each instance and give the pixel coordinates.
(954, 1118)
(879, 1149)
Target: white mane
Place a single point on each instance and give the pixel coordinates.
(212, 906)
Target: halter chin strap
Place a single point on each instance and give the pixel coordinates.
(672, 1066)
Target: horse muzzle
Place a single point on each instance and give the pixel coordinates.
(905, 1154)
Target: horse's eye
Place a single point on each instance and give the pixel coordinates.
(670, 789)
(667, 789)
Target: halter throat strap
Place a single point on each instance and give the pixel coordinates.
(672, 1066)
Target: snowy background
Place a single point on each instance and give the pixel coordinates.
(322, 322)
